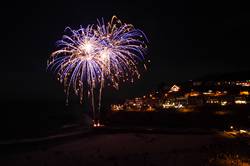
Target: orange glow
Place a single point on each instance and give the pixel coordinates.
(117, 107)
(244, 93)
(217, 93)
(150, 109)
(194, 93)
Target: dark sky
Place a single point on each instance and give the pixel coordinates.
(187, 40)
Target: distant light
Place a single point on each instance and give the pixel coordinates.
(240, 102)
(243, 83)
(98, 125)
(117, 107)
(223, 103)
(244, 93)
(178, 106)
(150, 108)
(243, 131)
(174, 88)
(194, 93)
(231, 127)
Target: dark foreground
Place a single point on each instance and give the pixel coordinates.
(141, 147)
(140, 138)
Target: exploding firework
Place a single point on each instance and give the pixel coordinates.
(88, 58)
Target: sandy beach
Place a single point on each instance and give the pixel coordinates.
(118, 149)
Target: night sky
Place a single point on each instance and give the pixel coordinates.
(187, 40)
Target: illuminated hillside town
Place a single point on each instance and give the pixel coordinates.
(184, 97)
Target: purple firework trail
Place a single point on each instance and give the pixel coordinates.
(88, 57)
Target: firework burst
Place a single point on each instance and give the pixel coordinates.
(89, 57)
